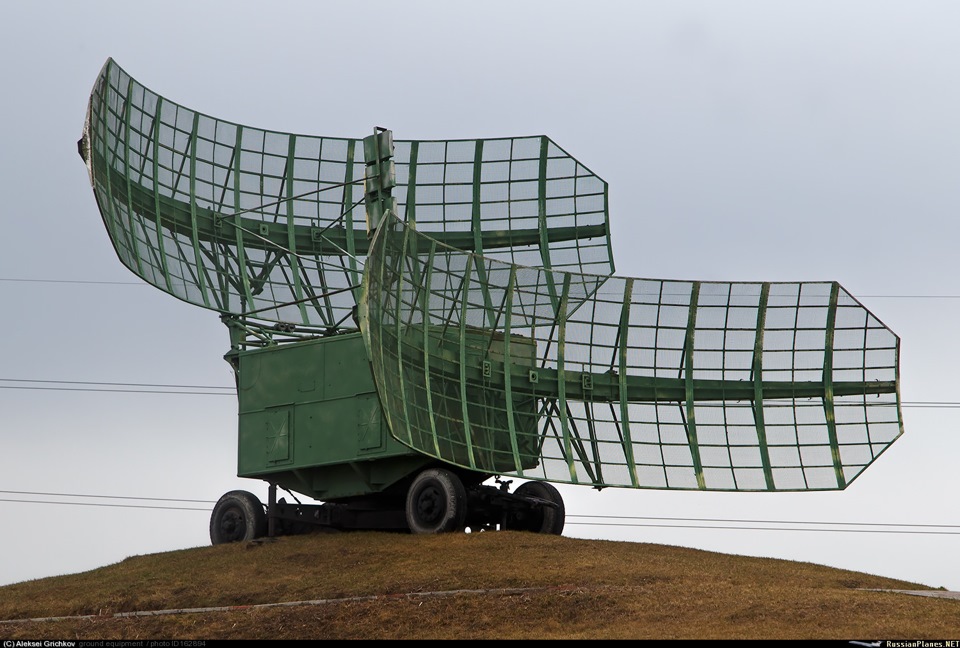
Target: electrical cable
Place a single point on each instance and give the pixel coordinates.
(630, 521)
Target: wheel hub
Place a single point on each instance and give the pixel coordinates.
(430, 504)
(231, 524)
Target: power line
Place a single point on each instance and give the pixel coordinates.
(231, 390)
(116, 391)
(76, 281)
(626, 524)
(747, 528)
(135, 388)
(628, 521)
(103, 504)
(136, 506)
(152, 499)
(726, 521)
(931, 405)
(143, 283)
(90, 382)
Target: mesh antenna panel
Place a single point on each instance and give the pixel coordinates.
(499, 339)
(613, 381)
(242, 220)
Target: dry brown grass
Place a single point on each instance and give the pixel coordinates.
(570, 589)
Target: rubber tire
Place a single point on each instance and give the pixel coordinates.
(436, 502)
(238, 516)
(542, 519)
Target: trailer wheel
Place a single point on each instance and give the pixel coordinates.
(538, 518)
(436, 502)
(238, 515)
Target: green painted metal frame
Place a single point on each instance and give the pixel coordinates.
(771, 402)
(498, 337)
(239, 219)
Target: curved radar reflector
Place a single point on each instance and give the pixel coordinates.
(259, 223)
(612, 381)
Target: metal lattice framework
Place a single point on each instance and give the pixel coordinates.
(613, 381)
(243, 220)
(499, 338)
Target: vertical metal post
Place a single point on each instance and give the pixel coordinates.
(380, 177)
(272, 510)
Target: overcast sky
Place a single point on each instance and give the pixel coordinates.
(742, 141)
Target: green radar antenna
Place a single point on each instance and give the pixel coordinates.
(410, 320)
